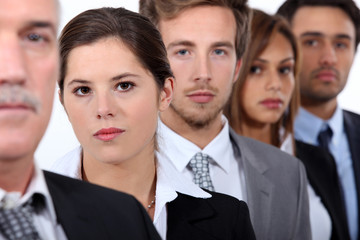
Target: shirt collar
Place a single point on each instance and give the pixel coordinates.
(169, 182)
(37, 185)
(180, 150)
(309, 132)
(304, 131)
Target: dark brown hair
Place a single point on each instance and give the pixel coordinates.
(134, 30)
(264, 27)
(289, 8)
(168, 9)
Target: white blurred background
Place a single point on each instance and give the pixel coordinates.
(59, 137)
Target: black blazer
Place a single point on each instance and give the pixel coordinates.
(322, 175)
(87, 211)
(219, 217)
(352, 129)
(325, 180)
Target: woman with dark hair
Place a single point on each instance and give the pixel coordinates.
(265, 99)
(115, 79)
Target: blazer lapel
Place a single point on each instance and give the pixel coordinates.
(258, 188)
(322, 174)
(187, 219)
(351, 124)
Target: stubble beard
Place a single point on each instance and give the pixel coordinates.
(199, 116)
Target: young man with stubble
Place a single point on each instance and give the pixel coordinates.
(205, 41)
(36, 204)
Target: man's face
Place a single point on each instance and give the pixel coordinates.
(28, 71)
(328, 49)
(201, 48)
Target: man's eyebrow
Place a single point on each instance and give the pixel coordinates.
(223, 44)
(181, 43)
(319, 34)
(312, 34)
(41, 24)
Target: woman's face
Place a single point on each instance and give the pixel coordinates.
(112, 102)
(270, 83)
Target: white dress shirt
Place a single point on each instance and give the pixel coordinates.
(225, 169)
(44, 221)
(168, 183)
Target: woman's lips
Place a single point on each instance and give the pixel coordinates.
(272, 103)
(108, 134)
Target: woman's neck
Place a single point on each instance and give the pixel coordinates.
(136, 176)
(260, 132)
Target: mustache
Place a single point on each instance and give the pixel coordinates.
(316, 71)
(15, 94)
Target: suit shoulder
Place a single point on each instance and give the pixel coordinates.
(70, 185)
(354, 117)
(261, 151)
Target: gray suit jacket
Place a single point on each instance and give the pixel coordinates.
(276, 186)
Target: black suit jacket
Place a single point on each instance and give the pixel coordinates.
(219, 217)
(322, 174)
(352, 129)
(87, 211)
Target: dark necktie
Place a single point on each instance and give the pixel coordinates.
(199, 164)
(17, 223)
(324, 138)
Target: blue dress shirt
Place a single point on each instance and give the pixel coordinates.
(307, 129)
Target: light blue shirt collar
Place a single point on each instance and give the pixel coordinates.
(308, 126)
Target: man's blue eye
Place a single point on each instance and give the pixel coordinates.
(219, 52)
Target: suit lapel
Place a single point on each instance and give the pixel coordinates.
(322, 174)
(258, 188)
(351, 124)
(188, 218)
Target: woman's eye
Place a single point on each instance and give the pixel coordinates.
(82, 91)
(124, 86)
(255, 70)
(285, 70)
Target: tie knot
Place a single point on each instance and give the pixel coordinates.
(198, 161)
(199, 165)
(324, 137)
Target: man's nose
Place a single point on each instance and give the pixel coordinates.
(12, 61)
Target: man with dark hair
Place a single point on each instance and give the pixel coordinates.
(205, 41)
(35, 204)
(329, 33)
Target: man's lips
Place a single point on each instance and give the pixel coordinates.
(201, 96)
(326, 76)
(108, 134)
(19, 107)
(272, 103)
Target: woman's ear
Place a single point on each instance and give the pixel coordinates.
(61, 97)
(166, 94)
